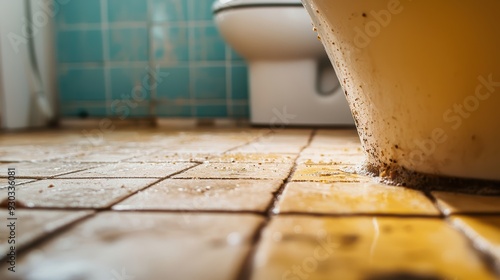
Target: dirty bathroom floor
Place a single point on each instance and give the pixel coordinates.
(244, 203)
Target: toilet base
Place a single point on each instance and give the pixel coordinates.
(285, 93)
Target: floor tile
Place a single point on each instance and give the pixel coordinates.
(200, 148)
(44, 169)
(365, 248)
(132, 170)
(222, 195)
(77, 193)
(352, 198)
(334, 149)
(18, 153)
(328, 174)
(456, 203)
(263, 148)
(331, 159)
(110, 154)
(484, 232)
(166, 156)
(281, 142)
(254, 158)
(32, 225)
(144, 246)
(238, 171)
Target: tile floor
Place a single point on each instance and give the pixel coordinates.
(222, 204)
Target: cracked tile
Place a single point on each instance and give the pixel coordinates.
(132, 170)
(77, 193)
(352, 198)
(224, 195)
(365, 248)
(145, 246)
(238, 171)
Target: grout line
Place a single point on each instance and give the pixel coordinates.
(363, 214)
(190, 211)
(248, 263)
(487, 258)
(106, 56)
(229, 82)
(191, 66)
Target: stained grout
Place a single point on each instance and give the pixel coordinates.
(247, 265)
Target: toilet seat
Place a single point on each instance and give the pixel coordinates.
(221, 5)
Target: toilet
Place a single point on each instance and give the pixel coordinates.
(291, 80)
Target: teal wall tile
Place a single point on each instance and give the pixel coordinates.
(81, 85)
(211, 111)
(202, 9)
(127, 10)
(131, 84)
(128, 44)
(122, 110)
(239, 83)
(173, 110)
(208, 44)
(79, 110)
(176, 85)
(210, 82)
(169, 10)
(80, 46)
(78, 11)
(240, 111)
(102, 58)
(170, 44)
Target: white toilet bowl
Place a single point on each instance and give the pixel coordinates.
(291, 79)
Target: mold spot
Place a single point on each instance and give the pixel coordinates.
(349, 239)
(364, 15)
(83, 114)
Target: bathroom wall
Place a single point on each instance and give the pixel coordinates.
(137, 58)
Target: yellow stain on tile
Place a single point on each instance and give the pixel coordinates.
(328, 174)
(456, 203)
(484, 232)
(352, 198)
(365, 248)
